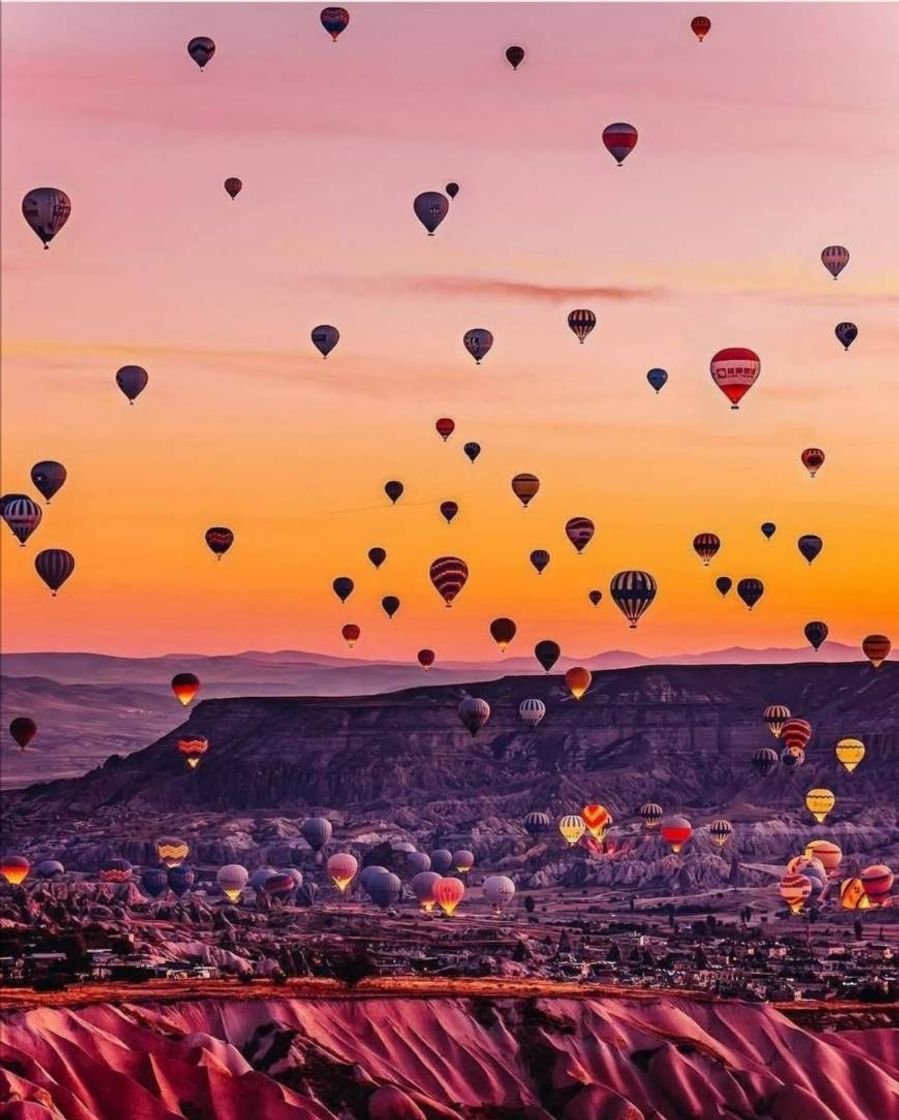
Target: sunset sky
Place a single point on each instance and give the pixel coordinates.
(772, 139)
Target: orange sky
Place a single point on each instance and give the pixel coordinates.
(772, 139)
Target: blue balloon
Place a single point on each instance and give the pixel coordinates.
(657, 379)
(769, 529)
(847, 333)
(154, 881)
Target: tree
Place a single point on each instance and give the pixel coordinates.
(614, 953)
(529, 904)
(354, 967)
(858, 929)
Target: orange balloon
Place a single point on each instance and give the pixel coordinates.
(578, 681)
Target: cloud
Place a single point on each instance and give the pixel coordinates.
(508, 289)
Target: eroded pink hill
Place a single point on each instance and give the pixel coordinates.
(406, 1059)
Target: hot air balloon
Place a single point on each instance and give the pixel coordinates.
(441, 860)
(795, 890)
(185, 687)
(657, 379)
(809, 546)
(14, 869)
(448, 574)
(23, 729)
(334, 20)
(572, 828)
(620, 140)
(547, 653)
(448, 511)
(46, 210)
(750, 591)
(846, 334)
(342, 868)
(343, 588)
(706, 545)
(416, 862)
(792, 757)
(850, 753)
(876, 647)
(232, 878)
(499, 890)
(796, 732)
(192, 750)
(431, 208)
(835, 258)
(393, 490)
(700, 26)
(50, 869)
(632, 592)
(350, 633)
(765, 760)
(531, 712)
(390, 604)
(597, 820)
(426, 658)
(724, 584)
(524, 487)
(474, 713)
(502, 631)
(577, 681)
(816, 633)
(579, 531)
(22, 515)
(463, 860)
(54, 566)
(720, 831)
(377, 556)
(316, 832)
(852, 895)
(877, 882)
(132, 380)
(515, 56)
(279, 884)
(536, 823)
(472, 450)
(477, 342)
(819, 803)
(581, 323)
(48, 476)
(384, 888)
(827, 852)
(676, 831)
(154, 881)
(115, 871)
(445, 427)
(775, 715)
(452, 189)
(735, 370)
(325, 338)
(218, 540)
(201, 49)
(812, 459)
(233, 186)
(171, 851)
(595, 597)
(369, 874)
(539, 559)
(423, 888)
(448, 893)
(650, 813)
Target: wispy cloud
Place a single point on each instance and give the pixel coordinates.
(507, 289)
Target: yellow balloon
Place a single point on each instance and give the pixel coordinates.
(850, 752)
(819, 803)
(827, 852)
(572, 828)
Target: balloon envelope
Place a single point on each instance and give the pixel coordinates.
(846, 334)
(657, 378)
(632, 592)
(46, 210)
(48, 476)
(325, 338)
(132, 380)
(448, 574)
(201, 49)
(547, 653)
(515, 56)
(431, 208)
(620, 140)
(478, 342)
(334, 21)
(54, 566)
(735, 370)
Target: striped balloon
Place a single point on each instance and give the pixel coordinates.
(22, 515)
(579, 531)
(54, 566)
(171, 851)
(572, 828)
(720, 831)
(764, 761)
(581, 322)
(448, 575)
(796, 733)
(795, 891)
(46, 210)
(835, 258)
(876, 647)
(706, 545)
(620, 140)
(651, 813)
(877, 882)
(632, 592)
(524, 487)
(531, 712)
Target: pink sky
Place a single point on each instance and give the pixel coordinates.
(775, 137)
